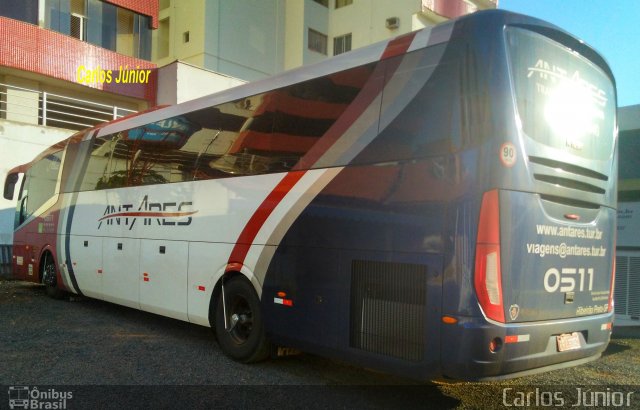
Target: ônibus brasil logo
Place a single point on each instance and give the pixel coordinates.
(151, 213)
(25, 397)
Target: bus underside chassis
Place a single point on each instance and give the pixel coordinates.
(238, 322)
(49, 277)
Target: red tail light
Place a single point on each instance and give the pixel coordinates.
(488, 278)
(613, 279)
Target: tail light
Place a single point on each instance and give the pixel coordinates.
(613, 280)
(488, 278)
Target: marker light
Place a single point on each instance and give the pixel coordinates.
(613, 281)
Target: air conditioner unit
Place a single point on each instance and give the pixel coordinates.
(393, 23)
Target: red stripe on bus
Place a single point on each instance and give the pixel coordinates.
(234, 266)
(368, 94)
(351, 114)
(370, 91)
(398, 46)
(250, 231)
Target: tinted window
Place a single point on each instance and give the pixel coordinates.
(564, 100)
(420, 114)
(102, 24)
(58, 15)
(23, 10)
(40, 183)
(263, 133)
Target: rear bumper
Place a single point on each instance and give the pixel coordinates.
(466, 353)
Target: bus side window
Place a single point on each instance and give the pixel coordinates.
(117, 159)
(103, 166)
(428, 122)
(39, 185)
(21, 214)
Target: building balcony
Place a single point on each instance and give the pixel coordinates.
(438, 10)
(39, 107)
(35, 50)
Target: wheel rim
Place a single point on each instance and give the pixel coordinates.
(49, 275)
(240, 319)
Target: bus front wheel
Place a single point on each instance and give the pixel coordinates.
(50, 278)
(241, 336)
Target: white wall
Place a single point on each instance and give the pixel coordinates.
(22, 104)
(179, 82)
(629, 117)
(366, 20)
(20, 143)
(246, 39)
(316, 17)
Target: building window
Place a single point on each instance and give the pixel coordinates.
(342, 3)
(323, 2)
(23, 10)
(79, 27)
(341, 44)
(185, 37)
(133, 34)
(163, 38)
(317, 41)
(78, 20)
(102, 24)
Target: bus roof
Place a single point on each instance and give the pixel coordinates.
(376, 52)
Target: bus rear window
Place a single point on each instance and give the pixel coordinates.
(564, 101)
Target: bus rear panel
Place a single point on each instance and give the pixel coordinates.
(545, 240)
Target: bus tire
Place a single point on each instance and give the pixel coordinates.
(49, 276)
(245, 341)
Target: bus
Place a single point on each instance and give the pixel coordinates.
(439, 205)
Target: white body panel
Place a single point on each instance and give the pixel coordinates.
(179, 282)
(121, 263)
(86, 262)
(207, 263)
(163, 283)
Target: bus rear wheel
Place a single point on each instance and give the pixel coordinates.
(241, 336)
(49, 276)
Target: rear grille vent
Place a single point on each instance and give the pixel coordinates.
(620, 293)
(574, 169)
(627, 286)
(388, 308)
(569, 183)
(569, 202)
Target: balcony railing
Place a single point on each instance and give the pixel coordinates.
(54, 110)
(456, 8)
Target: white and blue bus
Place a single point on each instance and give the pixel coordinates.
(442, 204)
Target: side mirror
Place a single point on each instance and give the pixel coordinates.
(10, 186)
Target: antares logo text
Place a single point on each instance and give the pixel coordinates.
(164, 214)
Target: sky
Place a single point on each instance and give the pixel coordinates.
(612, 27)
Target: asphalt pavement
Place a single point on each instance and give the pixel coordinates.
(111, 356)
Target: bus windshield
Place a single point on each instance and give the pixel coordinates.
(564, 101)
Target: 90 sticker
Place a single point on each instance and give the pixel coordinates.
(565, 279)
(508, 154)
